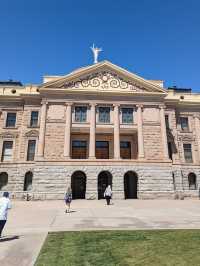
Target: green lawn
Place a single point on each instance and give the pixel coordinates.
(124, 248)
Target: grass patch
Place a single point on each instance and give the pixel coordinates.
(121, 248)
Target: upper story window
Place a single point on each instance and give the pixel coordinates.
(104, 114)
(167, 121)
(34, 119)
(11, 120)
(184, 123)
(188, 153)
(80, 114)
(127, 115)
(7, 151)
(31, 150)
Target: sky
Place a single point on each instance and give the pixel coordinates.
(155, 39)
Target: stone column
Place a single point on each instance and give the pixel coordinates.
(67, 140)
(140, 132)
(164, 132)
(41, 140)
(197, 132)
(92, 144)
(116, 132)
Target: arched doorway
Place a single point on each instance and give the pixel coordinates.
(78, 185)
(192, 181)
(28, 181)
(3, 180)
(130, 185)
(104, 179)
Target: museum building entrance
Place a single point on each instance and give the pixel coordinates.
(104, 179)
(130, 185)
(78, 185)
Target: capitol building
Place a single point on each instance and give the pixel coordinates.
(96, 126)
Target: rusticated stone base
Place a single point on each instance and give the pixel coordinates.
(51, 181)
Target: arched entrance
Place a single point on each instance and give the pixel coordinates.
(192, 181)
(3, 180)
(104, 179)
(28, 181)
(78, 185)
(130, 185)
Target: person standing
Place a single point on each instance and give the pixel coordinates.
(68, 199)
(5, 205)
(108, 194)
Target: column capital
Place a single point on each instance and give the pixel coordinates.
(116, 105)
(44, 102)
(92, 104)
(139, 105)
(195, 115)
(69, 103)
(162, 106)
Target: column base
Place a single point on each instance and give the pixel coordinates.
(92, 158)
(67, 157)
(39, 158)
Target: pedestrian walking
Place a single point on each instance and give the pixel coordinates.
(68, 199)
(5, 205)
(108, 194)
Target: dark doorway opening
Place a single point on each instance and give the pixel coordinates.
(78, 185)
(104, 179)
(28, 181)
(130, 185)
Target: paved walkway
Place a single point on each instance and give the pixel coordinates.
(29, 222)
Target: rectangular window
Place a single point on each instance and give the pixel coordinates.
(167, 121)
(34, 119)
(31, 150)
(11, 120)
(127, 115)
(104, 114)
(7, 151)
(188, 153)
(125, 150)
(184, 123)
(102, 149)
(79, 149)
(80, 114)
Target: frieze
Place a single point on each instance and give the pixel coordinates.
(32, 133)
(104, 80)
(9, 135)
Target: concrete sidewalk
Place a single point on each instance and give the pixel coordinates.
(29, 222)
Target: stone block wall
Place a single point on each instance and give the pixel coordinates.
(51, 181)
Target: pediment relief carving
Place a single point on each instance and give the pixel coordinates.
(9, 134)
(104, 80)
(32, 133)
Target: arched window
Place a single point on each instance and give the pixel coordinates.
(3, 180)
(28, 181)
(192, 181)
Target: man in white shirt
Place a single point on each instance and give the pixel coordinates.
(5, 205)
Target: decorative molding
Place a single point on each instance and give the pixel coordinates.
(32, 133)
(104, 80)
(186, 138)
(9, 135)
(50, 120)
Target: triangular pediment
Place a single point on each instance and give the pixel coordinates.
(104, 76)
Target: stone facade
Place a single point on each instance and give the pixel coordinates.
(159, 171)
